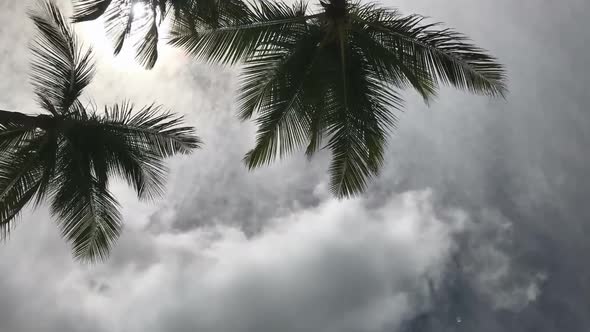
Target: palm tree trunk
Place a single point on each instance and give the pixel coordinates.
(40, 121)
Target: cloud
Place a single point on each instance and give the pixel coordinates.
(332, 268)
(485, 260)
(339, 266)
(228, 248)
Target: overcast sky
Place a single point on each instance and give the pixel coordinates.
(478, 222)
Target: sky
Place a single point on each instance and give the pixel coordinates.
(478, 222)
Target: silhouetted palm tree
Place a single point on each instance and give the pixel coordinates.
(125, 19)
(335, 74)
(69, 154)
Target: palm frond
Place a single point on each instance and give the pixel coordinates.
(13, 136)
(280, 87)
(147, 47)
(25, 173)
(211, 13)
(393, 66)
(231, 42)
(140, 167)
(19, 181)
(89, 10)
(87, 212)
(123, 24)
(161, 132)
(265, 69)
(60, 68)
(449, 57)
(115, 151)
(360, 114)
(118, 20)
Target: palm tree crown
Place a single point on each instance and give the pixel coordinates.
(335, 75)
(70, 154)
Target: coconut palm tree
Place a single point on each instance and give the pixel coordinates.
(70, 153)
(139, 21)
(336, 75)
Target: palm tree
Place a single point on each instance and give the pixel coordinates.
(141, 19)
(69, 154)
(335, 74)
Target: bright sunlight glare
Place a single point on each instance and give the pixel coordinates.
(139, 9)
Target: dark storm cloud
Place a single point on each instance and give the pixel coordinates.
(337, 267)
(525, 159)
(498, 246)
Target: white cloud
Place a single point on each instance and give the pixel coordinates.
(337, 267)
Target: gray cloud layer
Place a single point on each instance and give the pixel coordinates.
(478, 222)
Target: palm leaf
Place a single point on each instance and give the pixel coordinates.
(87, 212)
(19, 181)
(394, 66)
(89, 10)
(359, 117)
(147, 47)
(60, 68)
(243, 37)
(163, 133)
(14, 136)
(117, 151)
(210, 13)
(448, 56)
(278, 87)
(140, 167)
(25, 172)
(118, 20)
(123, 26)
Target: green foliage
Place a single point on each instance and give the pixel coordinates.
(71, 155)
(326, 79)
(336, 76)
(235, 39)
(61, 69)
(121, 23)
(124, 26)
